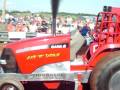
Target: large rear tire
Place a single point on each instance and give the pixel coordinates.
(106, 75)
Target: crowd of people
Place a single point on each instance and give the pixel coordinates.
(36, 23)
(24, 23)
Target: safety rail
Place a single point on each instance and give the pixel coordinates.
(9, 36)
(108, 28)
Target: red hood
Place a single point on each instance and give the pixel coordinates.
(37, 41)
(37, 52)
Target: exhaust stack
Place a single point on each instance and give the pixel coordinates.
(55, 5)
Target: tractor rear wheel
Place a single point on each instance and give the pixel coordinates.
(106, 75)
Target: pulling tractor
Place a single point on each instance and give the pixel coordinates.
(53, 62)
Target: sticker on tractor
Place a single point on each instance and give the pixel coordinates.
(63, 45)
(39, 56)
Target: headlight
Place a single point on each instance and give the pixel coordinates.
(54, 68)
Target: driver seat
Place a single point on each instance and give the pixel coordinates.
(76, 42)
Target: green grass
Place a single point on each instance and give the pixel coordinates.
(3, 27)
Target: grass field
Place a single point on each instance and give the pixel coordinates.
(2, 27)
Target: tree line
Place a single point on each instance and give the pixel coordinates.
(16, 12)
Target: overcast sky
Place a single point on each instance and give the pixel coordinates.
(72, 6)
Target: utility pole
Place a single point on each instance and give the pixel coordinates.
(4, 9)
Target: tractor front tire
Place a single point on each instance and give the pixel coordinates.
(9, 83)
(106, 74)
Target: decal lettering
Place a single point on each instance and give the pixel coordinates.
(31, 57)
(64, 45)
(39, 56)
(52, 55)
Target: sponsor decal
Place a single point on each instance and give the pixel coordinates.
(63, 45)
(39, 56)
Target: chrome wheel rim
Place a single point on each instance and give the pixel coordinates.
(9, 87)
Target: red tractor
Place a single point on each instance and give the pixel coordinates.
(52, 62)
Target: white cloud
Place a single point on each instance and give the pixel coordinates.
(10, 5)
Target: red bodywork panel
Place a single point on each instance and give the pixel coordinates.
(107, 39)
(115, 10)
(33, 53)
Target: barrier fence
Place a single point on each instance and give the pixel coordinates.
(9, 36)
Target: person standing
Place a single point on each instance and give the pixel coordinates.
(84, 31)
(19, 27)
(10, 27)
(69, 21)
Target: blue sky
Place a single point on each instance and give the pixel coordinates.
(72, 6)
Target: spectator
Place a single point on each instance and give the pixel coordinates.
(58, 22)
(19, 27)
(84, 31)
(10, 26)
(7, 17)
(44, 26)
(69, 21)
(25, 28)
(33, 27)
